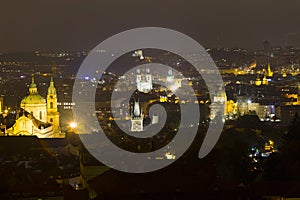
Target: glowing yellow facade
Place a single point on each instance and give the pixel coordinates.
(52, 111)
(284, 74)
(294, 96)
(40, 117)
(270, 72)
(231, 108)
(265, 80)
(34, 103)
(258, 81)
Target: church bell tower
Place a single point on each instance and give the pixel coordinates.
(52, 111)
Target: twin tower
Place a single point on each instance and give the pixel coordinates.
(41, 116)
(42, 109)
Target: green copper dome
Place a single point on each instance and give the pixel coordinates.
(33, 99)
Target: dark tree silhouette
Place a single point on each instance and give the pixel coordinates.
(285, 164)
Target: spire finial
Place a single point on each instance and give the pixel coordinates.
(51, 82)
(32, 78)
(32, 87)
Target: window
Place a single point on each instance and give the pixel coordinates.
(51, 105)
(51, 120)
(41, 115)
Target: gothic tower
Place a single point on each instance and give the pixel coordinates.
(52, 112)
(148, 77)
(136, 118)
(144, 82)
(270, 72)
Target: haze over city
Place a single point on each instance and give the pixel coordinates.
(168, 119)
(62, 25)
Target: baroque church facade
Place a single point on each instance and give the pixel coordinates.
(39, 116)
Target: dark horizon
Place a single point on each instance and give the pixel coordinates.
(61, 25)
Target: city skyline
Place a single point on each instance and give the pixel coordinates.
(64, 26)
(179, 100)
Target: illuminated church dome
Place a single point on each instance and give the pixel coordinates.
(34, 103)
(40, 116)
(33, 97)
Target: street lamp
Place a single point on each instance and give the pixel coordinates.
(73, 125)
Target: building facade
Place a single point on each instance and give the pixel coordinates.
(38, 116)
(144, 81)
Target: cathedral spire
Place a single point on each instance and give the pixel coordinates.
(270, 72)
(265, 80)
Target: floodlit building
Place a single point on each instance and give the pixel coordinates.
(39, 117)
(154, 119)
(172, 82)
(52, 111)
(269, 71)
(265, 80)
(144, 81)
(136, 118)
(218, 103)
(258, 81)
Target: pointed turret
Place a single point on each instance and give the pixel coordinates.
(52, 89)
(270, 72)
(265, 80)
(51, 98)
(52, 111)
(32, 87)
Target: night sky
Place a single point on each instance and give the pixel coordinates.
(72, 25)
